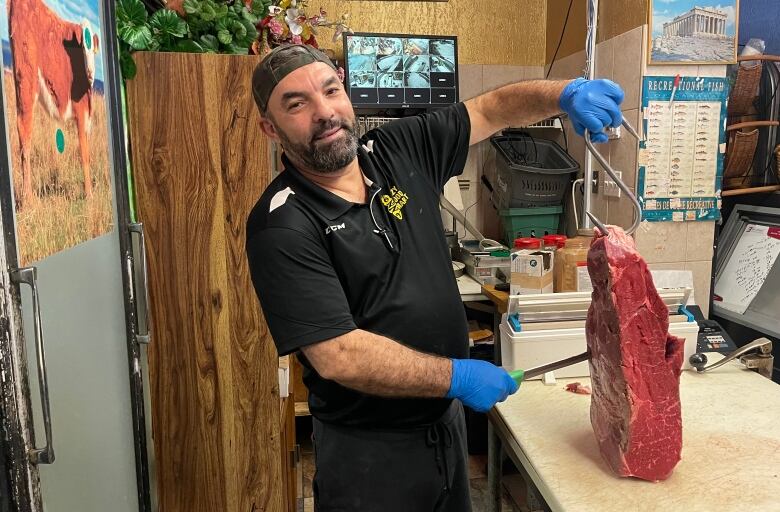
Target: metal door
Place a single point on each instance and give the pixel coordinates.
(71, 386)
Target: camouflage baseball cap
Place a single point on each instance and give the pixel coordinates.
(282, 61)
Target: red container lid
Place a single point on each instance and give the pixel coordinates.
(556, 240)
(528, 243)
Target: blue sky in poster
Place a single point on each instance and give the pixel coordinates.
(666, 10)
(70, 10)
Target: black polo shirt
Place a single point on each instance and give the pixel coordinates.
(323, 266)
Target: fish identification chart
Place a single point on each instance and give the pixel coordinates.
(681, 156)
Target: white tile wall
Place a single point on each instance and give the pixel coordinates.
(662, 242)
(699, 242)
(494, 76)
(627, 66)
(702, 279)
(470, 80)
(476, 79)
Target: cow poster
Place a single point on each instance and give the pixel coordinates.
(56, 112)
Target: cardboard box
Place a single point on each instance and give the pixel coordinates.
(532, 272)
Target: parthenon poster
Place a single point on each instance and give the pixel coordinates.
(688, 33)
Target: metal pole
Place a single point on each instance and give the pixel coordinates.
(590, 72)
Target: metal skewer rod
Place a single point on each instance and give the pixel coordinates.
(590, 74)
(603, 231)
(621, 185)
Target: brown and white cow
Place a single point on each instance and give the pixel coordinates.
(54, 61)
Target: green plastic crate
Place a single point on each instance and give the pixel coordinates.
(517, 222)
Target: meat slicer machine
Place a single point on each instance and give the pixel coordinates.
(756, 356)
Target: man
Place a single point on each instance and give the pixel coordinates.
(349, 261)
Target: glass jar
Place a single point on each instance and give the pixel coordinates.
(567, 258)
(527, 243)
(553, 242)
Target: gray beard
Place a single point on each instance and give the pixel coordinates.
(324, 158)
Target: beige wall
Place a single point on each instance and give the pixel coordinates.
(489, 31)
(573, 39)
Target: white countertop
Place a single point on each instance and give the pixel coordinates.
(730, 458)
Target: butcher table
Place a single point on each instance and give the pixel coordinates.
(730, 457)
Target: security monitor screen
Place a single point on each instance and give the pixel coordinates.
(401, 70)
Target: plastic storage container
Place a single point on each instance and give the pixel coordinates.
(529, 222)
(574, 251)
(530, 172)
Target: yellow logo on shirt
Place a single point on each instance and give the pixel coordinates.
(395, 201)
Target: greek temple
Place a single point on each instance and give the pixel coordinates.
(698, 22)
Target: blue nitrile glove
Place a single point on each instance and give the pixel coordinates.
(593, 104)
(479, 384)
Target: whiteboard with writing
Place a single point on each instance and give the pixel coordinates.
(745, 273)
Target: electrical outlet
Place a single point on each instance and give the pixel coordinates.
(610, 187)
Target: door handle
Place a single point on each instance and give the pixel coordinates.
(28, 276)
(145, 337)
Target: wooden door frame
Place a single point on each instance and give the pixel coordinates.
(119, 160)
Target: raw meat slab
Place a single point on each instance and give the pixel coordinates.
(635, 363)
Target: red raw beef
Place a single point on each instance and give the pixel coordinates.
(635, 363)
(578, 388)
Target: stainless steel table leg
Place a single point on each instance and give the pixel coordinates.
(494, 470)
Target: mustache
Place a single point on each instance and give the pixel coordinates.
(326, 126)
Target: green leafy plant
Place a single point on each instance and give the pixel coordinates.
(208, 26)
(224, 28)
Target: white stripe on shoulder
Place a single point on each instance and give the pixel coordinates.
(280, 198)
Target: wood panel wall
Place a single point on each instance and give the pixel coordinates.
(200, 163)
(620, 16)
(489, 31)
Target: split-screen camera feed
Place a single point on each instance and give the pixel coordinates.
(401, 70)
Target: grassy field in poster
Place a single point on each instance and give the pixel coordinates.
(60, 216)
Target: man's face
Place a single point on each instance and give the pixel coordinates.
(310, 114)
